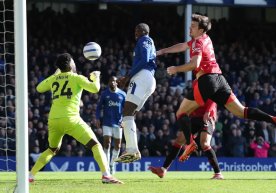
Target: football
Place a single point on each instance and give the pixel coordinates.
(92, 51)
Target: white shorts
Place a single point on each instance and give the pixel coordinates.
(141, 86)
(115, 132)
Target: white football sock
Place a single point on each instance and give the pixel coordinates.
(106, 174)
(107, 153)
(115, 154)
(130, 134)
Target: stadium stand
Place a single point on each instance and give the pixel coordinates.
(246, 53)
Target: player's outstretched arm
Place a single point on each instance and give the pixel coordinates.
(193, 64)
(181, 47)
(94, 86)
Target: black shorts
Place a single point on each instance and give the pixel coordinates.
(197, 126)
(210, 86)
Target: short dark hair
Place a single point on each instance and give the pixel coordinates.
(143, 27)
(63, 62)
(203, 22)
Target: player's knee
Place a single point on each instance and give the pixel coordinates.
(205, 146)
(107, 144)
(128, 112)
(129, 109)
(236, 108)
(91, 143)
(117, 147)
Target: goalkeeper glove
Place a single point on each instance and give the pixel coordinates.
(95, 76)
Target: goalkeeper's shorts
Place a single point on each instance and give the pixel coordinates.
(73, 126)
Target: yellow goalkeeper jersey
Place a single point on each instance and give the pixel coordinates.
(66, 91)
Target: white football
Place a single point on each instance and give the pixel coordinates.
(92, 51)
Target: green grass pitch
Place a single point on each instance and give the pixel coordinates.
(146, 182)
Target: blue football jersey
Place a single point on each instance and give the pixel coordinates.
(144, 56)
(111, 103)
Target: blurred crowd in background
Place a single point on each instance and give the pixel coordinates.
(246, 54)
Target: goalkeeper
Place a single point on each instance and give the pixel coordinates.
(66, 87)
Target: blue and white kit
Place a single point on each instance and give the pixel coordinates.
(142, 83)
(111, 103)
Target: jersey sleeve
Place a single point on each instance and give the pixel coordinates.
(44, 86)
(93, 87)
(197, 48)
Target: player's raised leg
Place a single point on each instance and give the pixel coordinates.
(235, 107)
(138, 92)
(142, 85)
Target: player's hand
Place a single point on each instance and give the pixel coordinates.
(172, 70)
(122, 82)
(159, 53)
(95, 75)
(98, 123)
